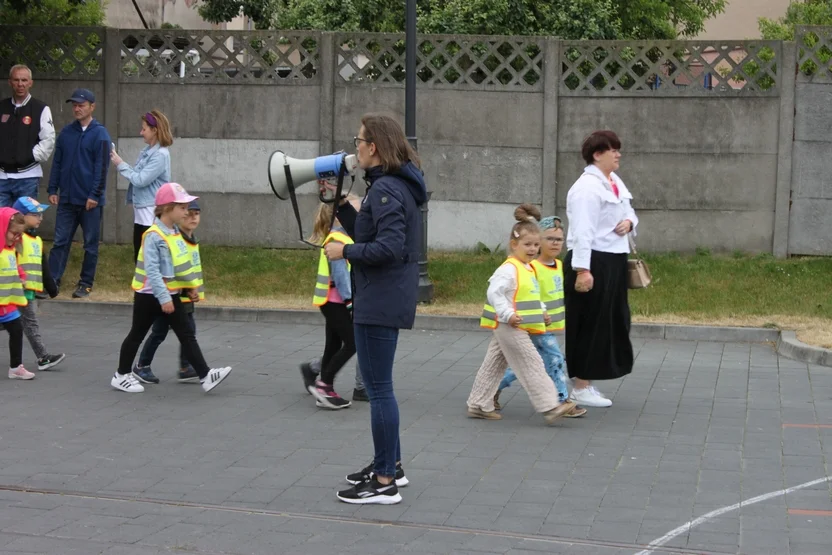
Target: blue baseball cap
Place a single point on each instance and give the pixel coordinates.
(82, 95)
(194, 205)
(28, 205)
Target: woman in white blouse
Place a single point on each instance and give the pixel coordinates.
(598, 207)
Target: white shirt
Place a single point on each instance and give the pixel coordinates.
(502, 286)
(593, 211)
(145, 215)
(41, 151)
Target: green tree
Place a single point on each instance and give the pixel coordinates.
(808, 12)
(569, 19)
(51, 12)
(665, 19)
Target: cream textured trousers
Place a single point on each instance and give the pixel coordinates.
(512, 347)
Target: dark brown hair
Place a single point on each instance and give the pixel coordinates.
(391, 144)
(527, 216)
(599, 142)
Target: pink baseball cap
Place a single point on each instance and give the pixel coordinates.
(173, 192)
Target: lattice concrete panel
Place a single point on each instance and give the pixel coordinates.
(75, 53)
(262, 57)
(669, 68)
(814, 54)
(443, 61)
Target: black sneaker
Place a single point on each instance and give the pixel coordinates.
(144, 374)
(50, 361)
(42, 295)
(325, 397)
(371, 492)
(309, 376)
(187, 375)
(360, 395)
(366, 474)
(81, 292)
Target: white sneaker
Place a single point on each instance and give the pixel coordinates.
(589, 397)
(126, 382)
(215, 377)
(20, 373)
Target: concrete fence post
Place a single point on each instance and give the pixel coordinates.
(782, 197)
(328, 68)
(109, 114)
(551, 80)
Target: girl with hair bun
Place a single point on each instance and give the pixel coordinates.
(514, 312)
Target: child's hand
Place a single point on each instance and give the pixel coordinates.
(514, 320)
(546, 318)
(167, 307)
(193, 294)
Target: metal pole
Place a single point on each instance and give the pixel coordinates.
(425, 285)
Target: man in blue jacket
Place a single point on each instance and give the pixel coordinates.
(79, 173)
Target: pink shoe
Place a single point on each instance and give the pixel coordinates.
(20, 373)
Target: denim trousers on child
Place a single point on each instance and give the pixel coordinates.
(547, 345)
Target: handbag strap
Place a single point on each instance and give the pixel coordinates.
(633, 245)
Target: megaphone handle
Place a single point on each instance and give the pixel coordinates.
(290, 184)
(342, 170)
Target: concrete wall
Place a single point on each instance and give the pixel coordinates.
(706, 169)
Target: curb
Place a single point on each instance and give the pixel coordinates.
(790, 346)
(423, 321)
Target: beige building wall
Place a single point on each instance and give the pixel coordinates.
(739, 21)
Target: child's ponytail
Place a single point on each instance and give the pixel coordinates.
(320, 229)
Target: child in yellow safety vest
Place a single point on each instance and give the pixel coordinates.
(333, 296)
(11, 291)
(164, 269)
(549, 272)
(38, 278)
(514, 312)
(159, 332)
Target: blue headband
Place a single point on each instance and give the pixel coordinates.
(549, 223)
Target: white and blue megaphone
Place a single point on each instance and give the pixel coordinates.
(287, 174)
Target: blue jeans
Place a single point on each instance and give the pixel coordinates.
(67, 219)
(13, 189)
(157, 336)
(547, 345)
(376, 348)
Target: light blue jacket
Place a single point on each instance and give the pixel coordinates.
(152, 170)
(158, 262)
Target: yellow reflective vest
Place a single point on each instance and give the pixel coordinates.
(526, 302)
(196, 261)
(11, 287)
(31, 261)
(322, 283)
(551, 293)
(185, 277)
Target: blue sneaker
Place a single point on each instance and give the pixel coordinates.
(144, 374)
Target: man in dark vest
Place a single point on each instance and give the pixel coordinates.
(27, 138)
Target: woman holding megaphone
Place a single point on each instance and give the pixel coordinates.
(387, 232)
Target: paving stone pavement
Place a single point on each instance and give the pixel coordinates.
(253, 466)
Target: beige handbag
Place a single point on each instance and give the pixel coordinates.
(638, 274)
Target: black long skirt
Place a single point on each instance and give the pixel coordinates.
(598, 343)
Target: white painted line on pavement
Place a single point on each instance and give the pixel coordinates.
(719, 512)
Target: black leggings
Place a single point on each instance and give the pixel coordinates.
(145, 311)
(340, 340)
(15, 329)
(138, 231)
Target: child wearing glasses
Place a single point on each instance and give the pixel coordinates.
(152, 170)
(549, 272)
